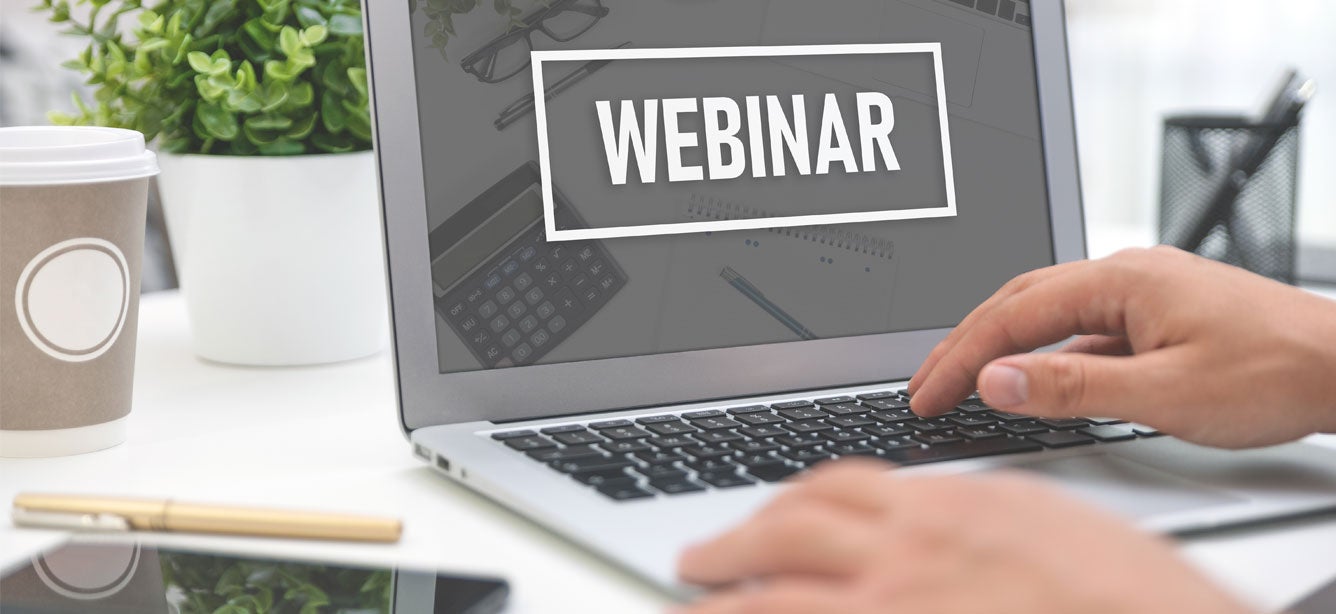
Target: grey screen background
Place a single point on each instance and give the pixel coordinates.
(837, 281)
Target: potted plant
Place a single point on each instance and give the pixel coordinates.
(259, 109)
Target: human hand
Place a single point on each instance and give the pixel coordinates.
(1197, 349)
(856, 539)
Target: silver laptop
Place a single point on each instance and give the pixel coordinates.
(649, 259)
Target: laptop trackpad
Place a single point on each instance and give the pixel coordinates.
(1127, 487)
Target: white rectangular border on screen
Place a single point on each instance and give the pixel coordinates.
(540, 114)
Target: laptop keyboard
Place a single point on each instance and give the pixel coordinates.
(695, 451)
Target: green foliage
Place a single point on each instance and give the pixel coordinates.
(440, 16)
(238, 77)
(223, 585)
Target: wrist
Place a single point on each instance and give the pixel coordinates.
(1322, 346)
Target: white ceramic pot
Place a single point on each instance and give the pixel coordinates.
(279, 258)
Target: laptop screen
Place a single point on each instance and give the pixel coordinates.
(611, 178)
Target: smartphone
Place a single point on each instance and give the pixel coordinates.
(105, 577)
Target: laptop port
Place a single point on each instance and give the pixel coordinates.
(443, 463)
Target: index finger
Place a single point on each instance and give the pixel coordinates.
(1009, 289)
(1085, 300)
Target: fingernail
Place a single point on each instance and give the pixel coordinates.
(1004, 386)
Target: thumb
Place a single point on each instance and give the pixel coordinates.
(1068, 384)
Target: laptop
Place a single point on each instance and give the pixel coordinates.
(648, 260)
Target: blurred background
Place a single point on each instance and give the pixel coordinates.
(1136, 61)
(1133, 62)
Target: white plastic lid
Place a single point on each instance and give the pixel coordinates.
(49, 155)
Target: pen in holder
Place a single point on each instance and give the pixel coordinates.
(1255, 231)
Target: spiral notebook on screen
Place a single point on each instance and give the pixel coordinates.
(799, 269)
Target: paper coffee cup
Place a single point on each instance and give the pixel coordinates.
(72, 211)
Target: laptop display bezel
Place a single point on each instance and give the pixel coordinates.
(427, 397)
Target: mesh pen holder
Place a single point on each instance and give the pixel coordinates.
(1258, 233)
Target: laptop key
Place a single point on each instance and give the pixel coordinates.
(605, 463)
(1105, 421)
(854, 449)
(699, 452)
(671, 428)
(658, 419)
(717, 436)
(809, 426)
(844, 436)
(609, 424)
(662, 472)
(725, 479)
(709, 413)
(758, 419)
(979, 433)
(972, 421)
(749, 409)
(562, 428)
(1146, 431)
(624, 492)
(511, 435)
(874, 396)
(711, 424)
(547, 455)
(928, 426)
(531, 442)
(893, 415)
(1062, 439)
(711, 464)
(659, 457)
(675, 487)
(835, 400)
(578, 438)
(626, 446)
(973, 406)
(885, 404)
(801, 441)
(672, 441)
(619, 433)
(806, 456)
(761, 432)
(849, 421)
(762, 458)
(791, 404)
(621, 480)
(935, 439)
(802, 413)
(895, 443)
(961, 450)
(1109, 432)
(773, 472)
(1007, 416)
(1026, 427)
(754, 446)
(594, 478)
(1063, 424)
(887, 430)
(845, 409)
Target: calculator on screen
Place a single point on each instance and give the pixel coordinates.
(510, 295)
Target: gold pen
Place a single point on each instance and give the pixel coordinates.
(122, 514)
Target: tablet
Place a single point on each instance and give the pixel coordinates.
(108, 577)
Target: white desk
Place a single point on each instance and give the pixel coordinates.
(328, 438)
